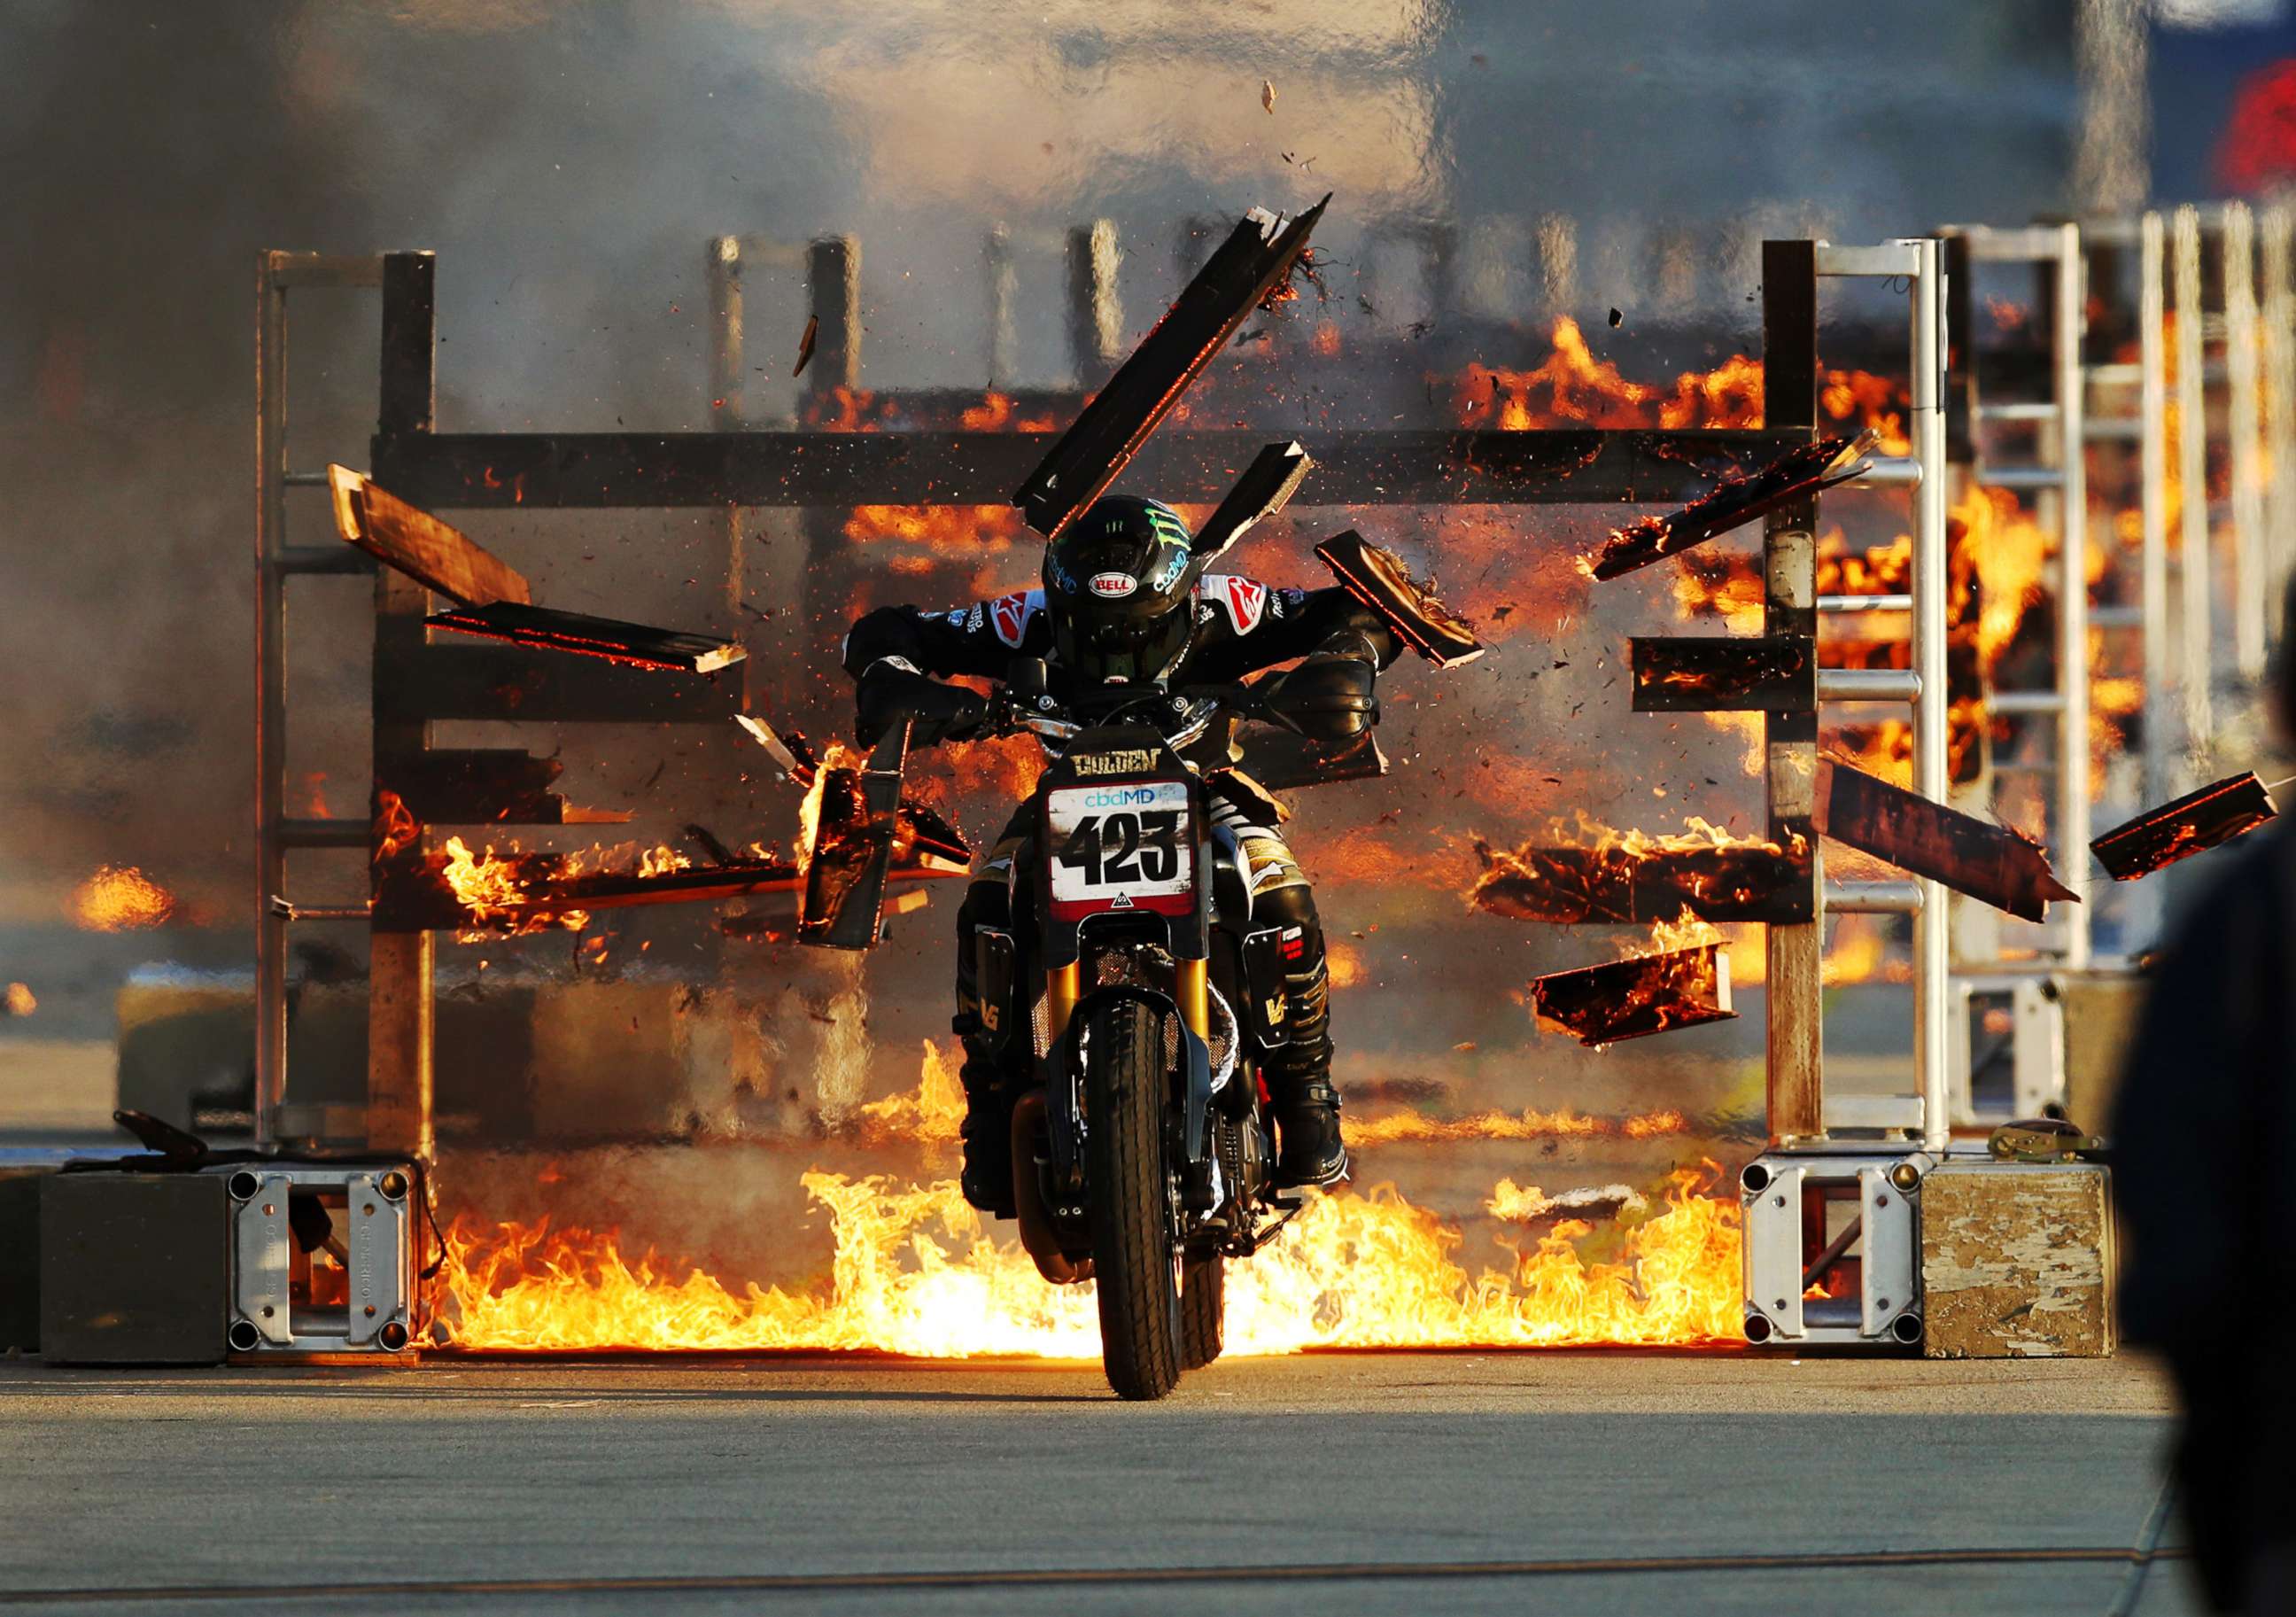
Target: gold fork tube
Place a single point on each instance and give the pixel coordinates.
(1192, 980)
(1062, 984)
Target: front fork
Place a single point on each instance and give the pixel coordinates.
(1191, 986)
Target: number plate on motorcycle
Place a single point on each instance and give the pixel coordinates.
(1127, 845)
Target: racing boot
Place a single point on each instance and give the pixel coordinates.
(987, 1133)
(991, 1083)
(1309, 1149)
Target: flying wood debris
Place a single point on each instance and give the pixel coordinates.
(1795, 475)
(805, 344)
(1620, 885)
(1268, 96)
(1252, 265)
(2194, 824)
(1380, 579)
(632, 644)
(1266, 486)
(1715, 674)
(1990, 863)
(1633, 998)
(419, 545)
(923, 833)
(855, 822)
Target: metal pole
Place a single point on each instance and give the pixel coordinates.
(2073, 591)
(2250, 579)
(1930, 778)
(2279, 349)
(2193, 581)
(270, 694)
(728, 374)
(1095, 316)
(2152, 500)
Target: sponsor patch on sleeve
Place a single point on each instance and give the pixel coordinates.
(1245, 600)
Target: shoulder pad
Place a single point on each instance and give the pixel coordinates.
(1244, 600)
(1012, 614)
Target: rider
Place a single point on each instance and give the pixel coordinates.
(1123, 604)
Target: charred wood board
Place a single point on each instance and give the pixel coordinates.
(2194, 824)
(427, 550)
(1634, 998)
(1582, 886)
(1737, 500)
(1266, 486)
(493, 682)
(479, 786)
(599, 470)
(609, 639)
(1379, 578)
(1719, 673)
(857, 816)
(1253, 263)
(1990, 863)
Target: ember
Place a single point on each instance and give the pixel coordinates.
(120, 899)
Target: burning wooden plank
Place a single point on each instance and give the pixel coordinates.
(631, 644)
(2194, 824)
(419, 545)
(1795, 475)
(1715, 674)
(1266, 486)
(1990, 863)
(921, 833)
(1638, 997)
(1380, 579)
(1625, 885)
(1252, 265)
(854, 819)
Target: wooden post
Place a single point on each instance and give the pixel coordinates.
(270, 693)
(1095, 316)
(401, 965)
(1795, 1087)
(833, 279)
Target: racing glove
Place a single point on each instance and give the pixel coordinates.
(890, 690)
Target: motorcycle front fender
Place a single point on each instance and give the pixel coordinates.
(1065, 1073)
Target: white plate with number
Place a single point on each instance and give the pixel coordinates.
(1121, 846)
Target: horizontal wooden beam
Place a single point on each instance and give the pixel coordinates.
(1724, 673)
(1611, 886)
(549, 471)
(517, 687)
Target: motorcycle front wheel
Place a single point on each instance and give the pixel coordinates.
(1133, 1265)
(1203, 1301)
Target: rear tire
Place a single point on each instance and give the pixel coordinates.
(1203, 1302)
(1131, 1209)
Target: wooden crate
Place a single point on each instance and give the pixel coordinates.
(2017, 1260)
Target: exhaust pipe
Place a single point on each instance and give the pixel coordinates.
(1038, 1236)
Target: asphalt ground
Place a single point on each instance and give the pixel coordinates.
(1568, 1482)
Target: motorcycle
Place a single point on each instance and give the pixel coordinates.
(1144, 1156)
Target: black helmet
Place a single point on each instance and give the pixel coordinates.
(1118, 586)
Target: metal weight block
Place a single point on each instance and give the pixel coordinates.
(1832, 1248)
(321, 1257)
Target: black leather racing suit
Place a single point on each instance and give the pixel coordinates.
(1241, 627)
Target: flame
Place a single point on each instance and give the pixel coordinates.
(120, 899)
(930, 1114)
(18, 1000)
(1724, 581)
(1572, 387)
(916, 1272)
(396, 828)
(494, 888)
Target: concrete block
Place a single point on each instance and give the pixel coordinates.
(2017, 1260)
(134, 1269)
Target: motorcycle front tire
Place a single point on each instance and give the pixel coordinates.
(1203, 1300)
(1133, 1267)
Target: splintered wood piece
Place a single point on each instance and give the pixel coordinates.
(784, 756)
(1253, 263)
(419, 545)
(1579, 886)
(857, 817)
(2194, 824)
(1990, 863)
(632, 644)
(1634, 998)
(1266, 486)
(1379, 578)
(1715, 674)
(1809, 470)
